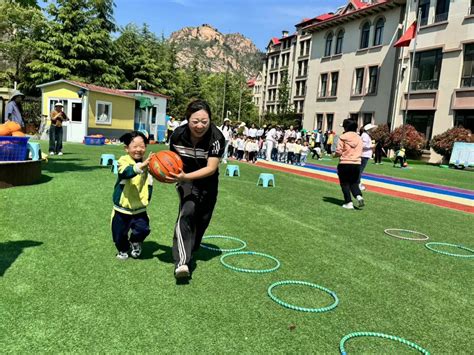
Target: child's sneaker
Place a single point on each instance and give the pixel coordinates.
(60, 153)
(349, 206)
(360, 199)
(181, 272)
(136, 250)
(122, 255)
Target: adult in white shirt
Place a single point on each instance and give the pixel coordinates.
(226, 129)
(253, 131)
(259, 132)
(171, 126)
(367, 147)
(270, 139)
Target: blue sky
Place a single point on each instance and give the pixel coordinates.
(258, 20)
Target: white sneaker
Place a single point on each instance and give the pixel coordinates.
(349, 206)
(360, 199)
(51, 153)
(181, 272)
(122, 255)
(60, 153)
(136, 250)
(362, 187)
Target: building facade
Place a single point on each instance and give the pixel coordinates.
(440, 73)
(344, 64)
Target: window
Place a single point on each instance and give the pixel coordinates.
(425, 9)
(324, 85)
(319, 121)
(471, 9)
(300, 106)
(364, 35)
(359, 81)
(426, 71)
(302, 44)
(422, 121)
(53, 102)
(378, 36)
(307, 48)
(304, 48)
(103, 112)
(329, 121)
(339, 40)
(373, 79)
(355, 117)
(442, 10)
(367, 118)
(327, 49)
(303, 68)
(465, 119)
(301, 88)
(334, 79)
(467, 79)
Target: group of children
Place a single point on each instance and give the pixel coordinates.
(291, 151)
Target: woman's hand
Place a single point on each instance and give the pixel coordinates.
(180, 177)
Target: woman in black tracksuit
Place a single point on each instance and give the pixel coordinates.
(200, 144)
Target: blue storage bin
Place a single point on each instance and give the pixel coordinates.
(13, 148)
(94, 140)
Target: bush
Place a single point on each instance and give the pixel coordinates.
(381, 134)
(443, 143)
(413, 141)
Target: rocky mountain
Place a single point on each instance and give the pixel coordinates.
(213, 50)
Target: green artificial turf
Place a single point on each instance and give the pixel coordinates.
(417, 170)
(63, 290)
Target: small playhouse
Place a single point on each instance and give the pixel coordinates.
(97, 110)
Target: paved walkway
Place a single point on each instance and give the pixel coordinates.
(443, 196)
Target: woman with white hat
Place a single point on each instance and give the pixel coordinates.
(13, 111)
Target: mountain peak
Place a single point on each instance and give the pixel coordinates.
(214, 50)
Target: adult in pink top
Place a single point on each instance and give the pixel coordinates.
(349, 151)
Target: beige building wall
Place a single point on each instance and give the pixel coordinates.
(367, 107)
(450, 33)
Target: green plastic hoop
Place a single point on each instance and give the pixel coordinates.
(380, 335)
(244, 244)
(254, 271)
(298, 308)
(429, 246)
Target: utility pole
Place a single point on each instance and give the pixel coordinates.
(223, 98)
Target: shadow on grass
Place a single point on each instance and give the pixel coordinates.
(10, 251)
(333, 200)
(64, 165)
(167, 257)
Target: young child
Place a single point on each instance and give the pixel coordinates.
(298, 147)
(253, 150)
(281, 151)
(132, 193)
(290, 148)
(240, 147)
(400, 157)
(304, 153)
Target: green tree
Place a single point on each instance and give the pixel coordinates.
(19, 29)
(77, 45)
(284, 93)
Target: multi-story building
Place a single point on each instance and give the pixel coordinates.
(442, 81)
(344, 64)
(351, 69)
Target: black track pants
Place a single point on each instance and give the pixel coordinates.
(195, 212)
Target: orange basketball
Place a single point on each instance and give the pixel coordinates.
(5, 131)
(18, 134)
(164, 162)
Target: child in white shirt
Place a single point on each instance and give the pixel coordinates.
(304, 153)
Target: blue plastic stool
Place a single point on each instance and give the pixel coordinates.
(231, 170)
(35, 150)
(266, 179)
(115, 166)
(107, 159)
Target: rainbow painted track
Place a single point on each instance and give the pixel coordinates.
(438, 195)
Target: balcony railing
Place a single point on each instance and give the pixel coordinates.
(467, 82)
(424, 85)
(441, 17)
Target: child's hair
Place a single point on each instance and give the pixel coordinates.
(127, 138)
